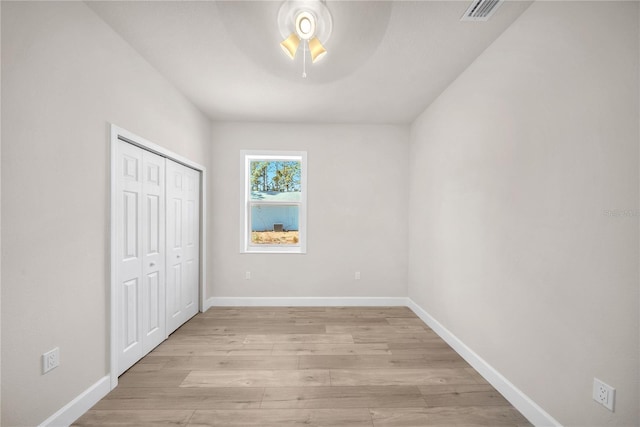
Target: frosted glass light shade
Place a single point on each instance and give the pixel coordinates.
(316, 49)
(290, 45)
(305, 25)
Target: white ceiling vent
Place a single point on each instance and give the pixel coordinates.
(481, 10)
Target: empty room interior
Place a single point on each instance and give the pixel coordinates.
(345, 213)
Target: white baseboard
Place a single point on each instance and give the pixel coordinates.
(207, 304)
(81, 404)
(534, 413)
(305, 302)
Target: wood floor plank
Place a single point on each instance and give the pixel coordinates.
(448, 416)
(299, 338)
(264, 312)
(239, 312)
(462, 395)
(266, 378)
(241, 321)
(375, 328)
(181, 398)
(342, 397)
(353, 417)
(361, 377)
(473, 373)
(209, 363)
(170, 349)
(330, 349)
(137, 418)
(405, 321)
(426, 348)
(186, 339)
(379, 361)
(370, 312)
(204, 329)
(160, 378)
(146, 367)
(342, 321)
(394, 338)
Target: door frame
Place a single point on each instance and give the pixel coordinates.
(119, 134)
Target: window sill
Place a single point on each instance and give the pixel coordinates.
(279, 251)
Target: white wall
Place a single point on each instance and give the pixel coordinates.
(513, 170)
(357, 204)
(65, 76)
(0, 216)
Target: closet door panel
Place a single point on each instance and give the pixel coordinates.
(153, 244)
(192, 243)
(175, 202)
(129, 197)
(183, 246)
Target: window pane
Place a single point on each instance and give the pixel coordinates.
(274, 225)
(275, 180)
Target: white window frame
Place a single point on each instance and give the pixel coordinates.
(246, 157)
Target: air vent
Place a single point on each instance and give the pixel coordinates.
(481, 10)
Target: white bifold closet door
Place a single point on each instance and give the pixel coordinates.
(158, 249)
(141, 252)
(183, 244)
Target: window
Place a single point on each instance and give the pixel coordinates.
(274, 202)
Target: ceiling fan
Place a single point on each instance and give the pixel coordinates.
(304, 25)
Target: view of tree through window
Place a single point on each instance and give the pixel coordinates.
(276, 176)
(275, 198)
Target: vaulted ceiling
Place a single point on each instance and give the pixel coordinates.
(386, 61)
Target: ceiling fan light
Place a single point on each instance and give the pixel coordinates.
(305, 25)
(316, 49)
(290, 45)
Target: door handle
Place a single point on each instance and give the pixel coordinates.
(177, 256)
(152, 264)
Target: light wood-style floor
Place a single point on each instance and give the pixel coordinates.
(311, 366)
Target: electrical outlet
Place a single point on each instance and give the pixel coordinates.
(247, 275)
(357, 275)
(50, 360)
(604, 394)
